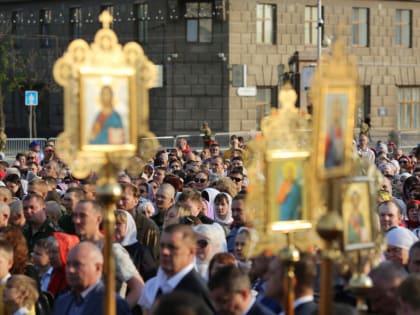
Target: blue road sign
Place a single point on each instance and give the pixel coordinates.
(31, 98)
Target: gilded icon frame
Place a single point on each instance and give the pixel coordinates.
(334, 129)
(277, 217)
(121, 82)
(358, 220)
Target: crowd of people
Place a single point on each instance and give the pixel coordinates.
(183, 238)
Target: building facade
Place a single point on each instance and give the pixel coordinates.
(204, 46)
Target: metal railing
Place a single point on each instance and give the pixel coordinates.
(407, 140)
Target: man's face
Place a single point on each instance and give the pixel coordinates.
(237, 163)
(363, 141)
(215, 151)
(86, 221)
(194, 206)
(69, 201)
(238, 180)
(414, 260)
(49, 170)
(238, 212)
(217, 166)
(127, 201)
(163, 199)
(33, 168)
(34, 212)
(81, 270)
(389, 216)
(228, 303)
(175, 252)
(274, 285)
(159, 176)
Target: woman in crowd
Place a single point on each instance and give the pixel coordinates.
(126, 235)
(211, 240)
(223, 211)
(175, 214)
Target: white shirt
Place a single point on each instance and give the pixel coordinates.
(245, 312)
(162, 281)
(5, 278)
(300, 301)
(21, 311)
(45, 279)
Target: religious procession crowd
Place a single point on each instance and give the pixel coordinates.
(183, 237)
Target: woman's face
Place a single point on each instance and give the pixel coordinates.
(203, 248)
(120, 229)
(222, 208)
(171, 217)
(201, 181)
(241, 247)
(413, 213)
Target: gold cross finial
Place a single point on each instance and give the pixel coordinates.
(105, 18)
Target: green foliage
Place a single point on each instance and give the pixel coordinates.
(394, 137)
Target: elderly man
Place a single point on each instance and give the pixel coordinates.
(176, 272)
(83, 273)
(87, 217)
(230, 290)
(386, 278)
(389, 215)
(164, 198)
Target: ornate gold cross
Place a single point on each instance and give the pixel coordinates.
(106, 19)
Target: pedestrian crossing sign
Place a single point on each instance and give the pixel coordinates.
(31, 98)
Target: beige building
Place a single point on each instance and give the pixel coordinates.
(204, 46)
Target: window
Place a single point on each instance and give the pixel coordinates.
(266, 99)
(266, 24)
(403, 22)
(75, 23)
(142, 21)
(199, 22)
(364, 106)
(44, 28)
(311, 25)
(16, 30)
(409, 108)
(360, 24)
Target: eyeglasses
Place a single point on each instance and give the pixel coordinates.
(202, 243)
(200, 180)
(236, 179)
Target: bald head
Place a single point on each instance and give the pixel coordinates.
(165, 196)
(84, 266)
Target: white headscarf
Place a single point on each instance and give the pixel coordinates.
(228, 220)
(401, 237)
(130, 230)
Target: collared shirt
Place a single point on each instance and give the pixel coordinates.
(5, 278)
(300, 301)
(164, 283)
(245, 312)
(22, 311)
(45, 279)
(76, 309)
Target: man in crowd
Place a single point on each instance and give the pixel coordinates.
(4, 214)
(147, 231)
(87, 217)
(240, 218)
(414, 258)
(191, 200)
(230, 290)
(164, 198)
(39, 187)
(159, 175)
(37, 225)
(389, 215)
(366, 154)
(386, 278)
(176, 272)
(84, 273)
(70, 199)
(305, 273)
